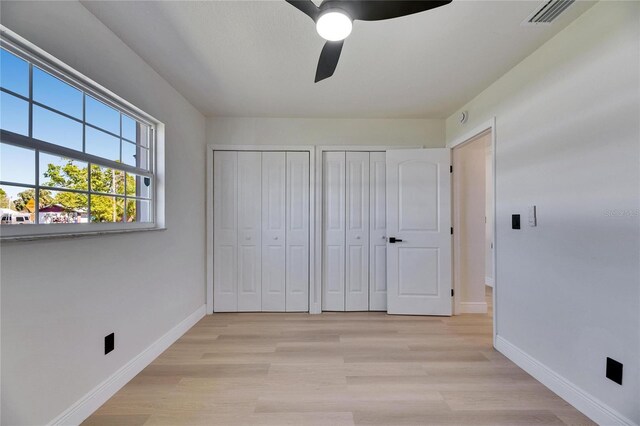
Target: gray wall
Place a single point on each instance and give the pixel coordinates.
(61, 297)
(568, 141)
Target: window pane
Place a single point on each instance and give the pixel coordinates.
(138, 211)
(56, 94)
(17, 164)
(138, 186)
(102, 144)
(143, 135)
(57, 129)
(14, 73)
(129, 128)
(63, 172)
(62, 207)
(14, 114)
(135, 132)
(17, 205)
(107, 209)
(135, 155)
(106, 180)
(101, 115)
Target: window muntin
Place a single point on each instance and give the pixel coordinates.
(74, 157)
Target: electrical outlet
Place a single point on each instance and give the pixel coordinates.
(614, 370)
(515, 221)
(109, 343)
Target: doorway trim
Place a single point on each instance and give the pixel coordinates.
(478, 131)
(209, 217)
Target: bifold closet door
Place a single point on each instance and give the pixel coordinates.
(249, 232)
(297, 234)
(225, 235)
(377, 233)
(273, 231)
(357, 232)
(333, 195)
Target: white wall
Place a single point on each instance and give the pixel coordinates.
(311, 131)
(61, 297)
(567, 121)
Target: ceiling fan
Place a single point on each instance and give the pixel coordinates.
(334, 21)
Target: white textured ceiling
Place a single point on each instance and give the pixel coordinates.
(258, 58)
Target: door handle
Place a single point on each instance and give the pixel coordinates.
(394, 240)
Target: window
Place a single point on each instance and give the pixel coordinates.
(72, 157)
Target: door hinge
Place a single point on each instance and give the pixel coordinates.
(450, 169)
(452, 230)
(452, 292)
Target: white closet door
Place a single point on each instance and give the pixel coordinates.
(273, 231)
(297, 219)
(225, 231)
(249, 232)
(357, 232)
(333, 187)
(377, 234)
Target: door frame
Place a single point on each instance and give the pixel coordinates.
(318, 226)
(209, 207)
(470, 136)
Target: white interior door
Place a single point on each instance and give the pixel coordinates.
(333, 187)
(357, 232)
(249, 231)
(225, 231)
(273, 231)
(419, 219)
(377, 233)
(297, 235)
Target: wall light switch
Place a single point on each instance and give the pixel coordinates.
(533, 220)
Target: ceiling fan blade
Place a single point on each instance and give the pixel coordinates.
(328, 59)
(306, 6)
(377, 10)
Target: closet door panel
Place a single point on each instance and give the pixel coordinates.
(225, 231)
(333, 274)
(297, 219)
(273, 231)
(249, 231)
(377, 234)
(357, 231)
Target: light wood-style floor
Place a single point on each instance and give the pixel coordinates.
(335, 369)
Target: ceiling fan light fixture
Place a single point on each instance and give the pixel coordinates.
(334, 25)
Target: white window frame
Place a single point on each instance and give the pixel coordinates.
(22, 48)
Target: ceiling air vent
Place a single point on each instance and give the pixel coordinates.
(548, 12)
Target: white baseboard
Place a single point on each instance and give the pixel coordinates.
(473, 307)
(584, 402)
(89, 403)
(488, 281)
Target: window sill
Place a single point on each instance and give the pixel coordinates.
(78, 234)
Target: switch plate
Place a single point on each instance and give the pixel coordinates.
(533, 220)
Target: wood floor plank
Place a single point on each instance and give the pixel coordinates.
(343, 369)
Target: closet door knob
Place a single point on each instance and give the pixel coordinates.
(275, 238)
(357, 237)
(247, 238)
